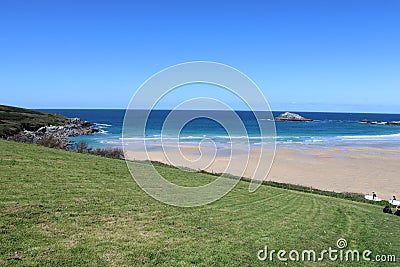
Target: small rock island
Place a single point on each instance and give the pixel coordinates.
(288, 116)
(381, 122)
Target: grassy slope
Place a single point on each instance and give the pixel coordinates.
(13, 120)
(63, 208)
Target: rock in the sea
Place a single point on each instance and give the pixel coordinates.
(288, 116)
(381, 122)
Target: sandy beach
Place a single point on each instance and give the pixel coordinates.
(357, 170)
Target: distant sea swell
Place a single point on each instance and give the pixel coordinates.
(327, 130)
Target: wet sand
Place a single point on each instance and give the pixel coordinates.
(357, 170)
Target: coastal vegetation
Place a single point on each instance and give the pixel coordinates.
(42, 128)
(109, 152)
(60, 208)
(15, 119)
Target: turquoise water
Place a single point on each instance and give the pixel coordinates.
(327, 129)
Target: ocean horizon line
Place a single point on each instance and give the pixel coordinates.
(215, 110)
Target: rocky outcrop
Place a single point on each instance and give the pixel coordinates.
(381, 122)
(74, 127)
(288, 116)
(55, 136)
(14, 120)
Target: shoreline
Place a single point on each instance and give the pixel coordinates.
(355, 170)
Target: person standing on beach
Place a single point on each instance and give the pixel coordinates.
(393, 199)
(373, 195)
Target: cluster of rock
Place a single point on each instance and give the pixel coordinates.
(56, 136)
(74, 127)
(288, 116)
(381, 122)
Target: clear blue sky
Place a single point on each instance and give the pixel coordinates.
(331, 55)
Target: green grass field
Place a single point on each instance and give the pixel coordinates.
(60, 208)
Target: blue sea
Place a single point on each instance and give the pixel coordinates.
(326, 131)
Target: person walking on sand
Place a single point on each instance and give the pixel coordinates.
(373, 195)
(397, 211)
(393, 199)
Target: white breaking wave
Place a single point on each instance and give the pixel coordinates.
(101, 131)
(371, 137)
(102, 124)
(290, 140)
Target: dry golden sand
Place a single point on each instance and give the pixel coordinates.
(359, 170)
